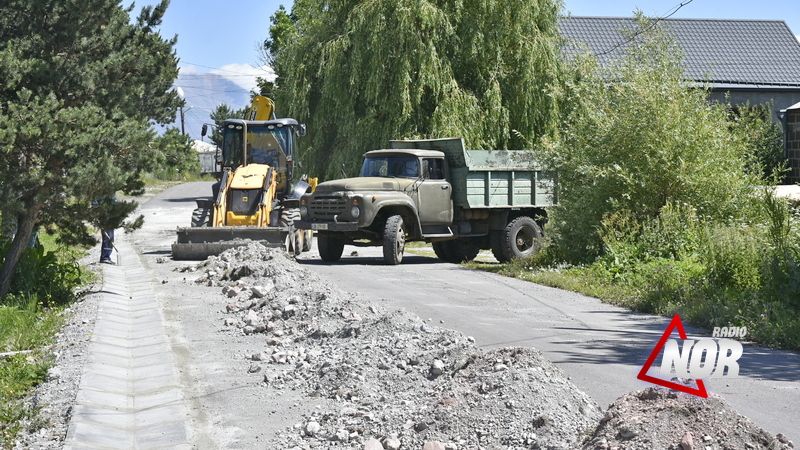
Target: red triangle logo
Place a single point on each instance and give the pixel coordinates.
(700, 391)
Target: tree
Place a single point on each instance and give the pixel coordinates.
(82, 86)
(361, 72)
(220, 113)
(173, 155)
(639, 142)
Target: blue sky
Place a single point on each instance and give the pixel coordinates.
(222, 37)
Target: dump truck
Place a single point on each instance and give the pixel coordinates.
(257, 197)
(435, 191)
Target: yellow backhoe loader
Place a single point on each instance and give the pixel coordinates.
(256, 197)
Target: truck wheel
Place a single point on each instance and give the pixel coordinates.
(444, 251)
(330, 248)
(394, 240)
(519, 239)
(457, 251)
(201, 217)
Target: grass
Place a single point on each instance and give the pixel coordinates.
(28, 327)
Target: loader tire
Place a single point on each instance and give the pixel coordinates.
(394, 240)
(330, 248)
(201, 217)
(288, 216)
(521, 238)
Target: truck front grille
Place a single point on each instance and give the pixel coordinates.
(325, 208)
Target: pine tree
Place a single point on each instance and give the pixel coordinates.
(81, 86)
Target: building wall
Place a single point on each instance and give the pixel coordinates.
(793, 145)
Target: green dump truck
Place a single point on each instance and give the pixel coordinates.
(435, 191)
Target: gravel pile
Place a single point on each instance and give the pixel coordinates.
(658, 418)
(394, 378)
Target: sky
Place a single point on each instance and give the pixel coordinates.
(222, 37)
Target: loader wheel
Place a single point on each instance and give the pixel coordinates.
(201, 217)
(521, 238)
(330, 248)
(394, 240)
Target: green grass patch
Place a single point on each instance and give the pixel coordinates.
(47, 279)
(29, 330)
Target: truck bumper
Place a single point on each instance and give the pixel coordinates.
(326, 226)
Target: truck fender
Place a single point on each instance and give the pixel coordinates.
(405, 208)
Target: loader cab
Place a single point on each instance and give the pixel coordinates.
(269, 142)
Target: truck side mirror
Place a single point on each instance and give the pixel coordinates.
(301, 130)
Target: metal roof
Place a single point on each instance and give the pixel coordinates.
(726, 53)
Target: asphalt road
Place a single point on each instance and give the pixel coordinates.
(601, 347)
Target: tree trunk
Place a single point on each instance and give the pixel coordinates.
(25, 223)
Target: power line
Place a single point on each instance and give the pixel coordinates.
(643, 30)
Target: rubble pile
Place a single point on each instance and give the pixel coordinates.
(394, 378)
(657, 418)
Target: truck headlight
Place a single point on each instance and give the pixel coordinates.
(303, 211)
(355, 211)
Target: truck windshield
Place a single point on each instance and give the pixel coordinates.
(266, 144)
(390, 166)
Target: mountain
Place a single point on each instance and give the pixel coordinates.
(204, 91)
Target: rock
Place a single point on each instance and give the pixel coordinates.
(254, 368)
(499, 367)
(260, 356)
(262, 290)
(687, 443)
(627, 432)
(392, 443)
(233, 292)
(373, 444)
(433, 445)
(419, 427)
(233, 307)
(342, 435)
(437, 368)
(312, 428)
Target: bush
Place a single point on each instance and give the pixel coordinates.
(49, 276)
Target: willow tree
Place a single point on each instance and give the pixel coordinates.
(360, 72)
(81, 85)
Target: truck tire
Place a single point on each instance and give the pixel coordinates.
(457, 251)
(201, 217)
(330, 248)
(394, 240)
(521, 238)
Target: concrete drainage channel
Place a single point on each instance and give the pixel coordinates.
(128, 396)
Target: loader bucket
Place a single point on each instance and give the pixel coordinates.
(199, 243)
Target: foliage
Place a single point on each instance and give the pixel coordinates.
(643, 141)
(765, 138)
(172, 156)
(362, 72)
(219, 115)
(82, 84)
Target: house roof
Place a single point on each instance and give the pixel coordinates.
(727, 53)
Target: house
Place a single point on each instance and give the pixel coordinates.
(747, 61)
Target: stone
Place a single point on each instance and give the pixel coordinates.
(233, 292)
(437, 368)
(373, 444)
(687, 442)
(392, 443)
(254, 368)
(433, 445)
(312, 428)
(262, 290)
